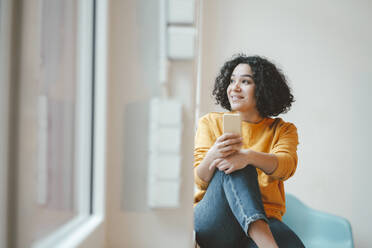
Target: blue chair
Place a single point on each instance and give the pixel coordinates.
(316, 228)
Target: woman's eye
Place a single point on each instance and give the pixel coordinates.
(231, 81)
(246, 81)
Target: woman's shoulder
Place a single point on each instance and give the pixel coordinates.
(212, 118)
(279, 123)
(212, 115)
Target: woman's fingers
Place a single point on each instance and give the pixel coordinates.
(226, 167)
(230, 142)
(228, 153)
(215, 163)
(228, 171)
(234, 147)
(222, 166)
(226, 145)
(226, 136)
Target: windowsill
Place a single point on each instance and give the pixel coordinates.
(73, 233)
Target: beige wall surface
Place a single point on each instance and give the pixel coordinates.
(133, 81)
(324, 48)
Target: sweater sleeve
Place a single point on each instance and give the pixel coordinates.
(204, 139)
(286, 151)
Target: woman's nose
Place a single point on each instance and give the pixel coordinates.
(236, 86)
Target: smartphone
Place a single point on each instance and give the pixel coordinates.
(232, 124)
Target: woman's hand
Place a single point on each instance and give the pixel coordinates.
(225, 145)
(231, 163)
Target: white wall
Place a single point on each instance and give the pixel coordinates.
(324, 48)
(133, 80)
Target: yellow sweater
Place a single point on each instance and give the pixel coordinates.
(271, 136)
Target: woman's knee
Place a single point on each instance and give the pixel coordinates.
(249, 172)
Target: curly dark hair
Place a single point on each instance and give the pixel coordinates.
(272, 93)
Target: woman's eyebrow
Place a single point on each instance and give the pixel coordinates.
(244, 75)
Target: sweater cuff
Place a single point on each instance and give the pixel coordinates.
(285, 167)
(201, 184)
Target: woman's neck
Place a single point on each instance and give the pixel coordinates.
(251, 117)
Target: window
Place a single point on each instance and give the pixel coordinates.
(64, 117)
(60, 126)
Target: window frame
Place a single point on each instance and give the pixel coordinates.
(6, 7)
(86, 225)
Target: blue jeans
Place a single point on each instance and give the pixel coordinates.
(232, 202)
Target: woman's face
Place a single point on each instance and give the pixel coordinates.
(240, 92)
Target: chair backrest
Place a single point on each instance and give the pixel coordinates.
(316, 228)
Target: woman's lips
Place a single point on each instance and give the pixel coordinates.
(236, 98)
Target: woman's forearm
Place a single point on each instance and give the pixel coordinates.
(267, 162)
(203, 169)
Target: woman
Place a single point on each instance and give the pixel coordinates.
(241, 201)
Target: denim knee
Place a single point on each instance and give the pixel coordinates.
(244, 196)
